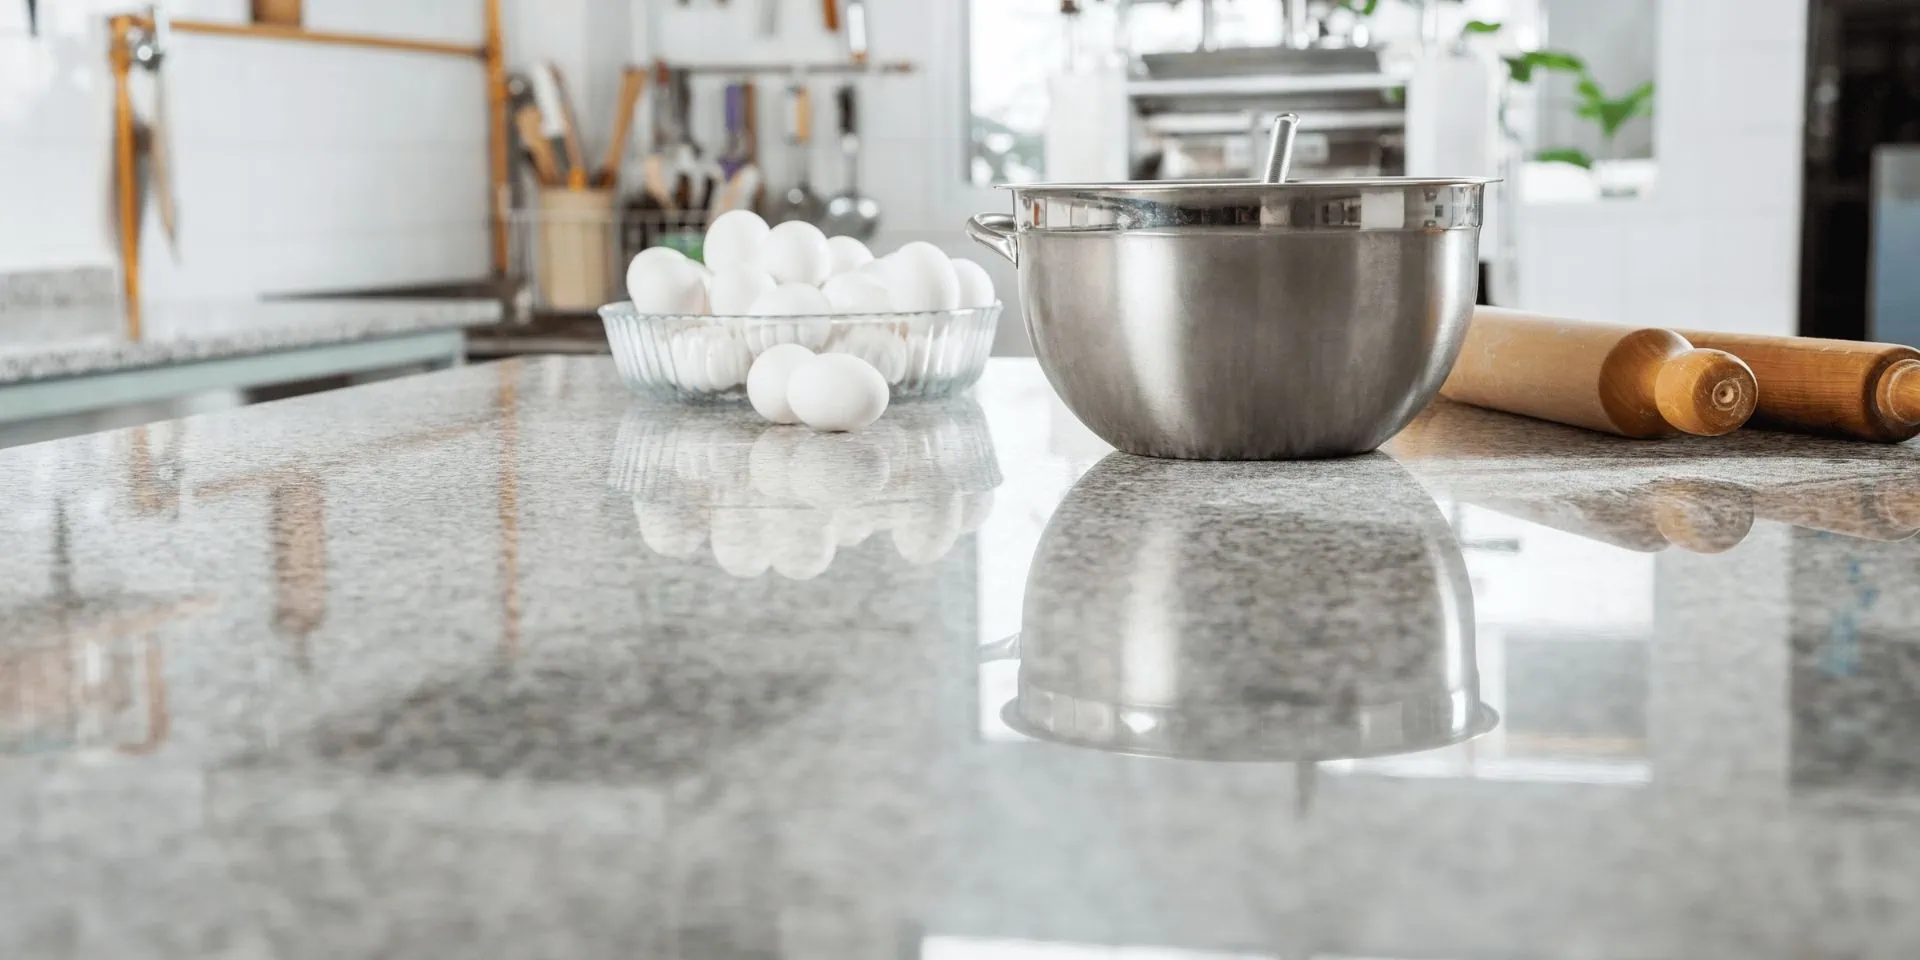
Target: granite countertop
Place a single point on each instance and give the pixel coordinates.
(39, 342)
(498, 662)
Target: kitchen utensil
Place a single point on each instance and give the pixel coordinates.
(557, 121)
(830, 15)
(800, 202)
(281, 13)
(33, 18)
(1641, 382)
(166, 199)
(857, 30)
(851, 213)
(1857, 391)
(737, 193)
(154, 138)
(546, 166)
(1299, 613)
(632, 83)
(769, 18)
(734, 154)
(1244, 320)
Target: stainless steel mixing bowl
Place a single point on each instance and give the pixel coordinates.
(1241, 320)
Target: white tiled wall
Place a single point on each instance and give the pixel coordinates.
(1718, 246)
(299, 167)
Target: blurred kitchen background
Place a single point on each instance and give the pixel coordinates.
(1724, 164)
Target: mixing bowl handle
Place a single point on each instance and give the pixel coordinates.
(996, 232)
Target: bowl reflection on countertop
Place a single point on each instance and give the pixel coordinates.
(1301, 611)
(788, 499)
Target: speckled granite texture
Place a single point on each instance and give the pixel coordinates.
(496, 662)
(43, 342)
(69, 287)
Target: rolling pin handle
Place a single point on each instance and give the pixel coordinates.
(1706, 393)
(1899, 393)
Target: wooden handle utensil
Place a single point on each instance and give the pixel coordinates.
(633, 82)
(1641, 382)
(546, 167)
(1858, 391)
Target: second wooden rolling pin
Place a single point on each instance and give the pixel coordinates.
(1860, 391)
(1641, 382)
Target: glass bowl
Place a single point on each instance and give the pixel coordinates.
(702, 359)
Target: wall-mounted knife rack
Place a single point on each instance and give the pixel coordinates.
(126, 29)
(799, 69)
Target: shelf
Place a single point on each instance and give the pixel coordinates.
(299, 35)
(1263, 86)
(789, 69)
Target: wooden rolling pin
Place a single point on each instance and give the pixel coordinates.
(1859, 391)
(1641, 382)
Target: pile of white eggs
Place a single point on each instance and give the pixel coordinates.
(792, 281)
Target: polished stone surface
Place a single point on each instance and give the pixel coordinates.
(39, 342)
(497, 663)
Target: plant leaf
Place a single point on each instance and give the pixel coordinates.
(1558, 60)
(1520, 69)
(1575, 156)
(1483, 26)
(1590, 90)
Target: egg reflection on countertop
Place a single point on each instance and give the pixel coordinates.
(784, 499)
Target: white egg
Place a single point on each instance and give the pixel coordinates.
(735, 240)
(877, 345)
(851, 527)
(660, 280)
(732, 291)
(770, 462)
(796, 252)
(671, 529)
(803, 542)
(837, 392)
(924, 530)
(924, 339)
(862, 292)
(976, 288)
(709, 359)
(846, 253)
(739, 541)
(838, 470)
(767, 381)
(922, 277)
(790, 300)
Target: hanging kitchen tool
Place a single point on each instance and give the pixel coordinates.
(851, 213)
(556, 119)
(546, 167)
(830, 15)
(33, 18)
(733, 155)
(769, 18)
(632, 83)
(857, 30)
(800, 202)
(152, 138)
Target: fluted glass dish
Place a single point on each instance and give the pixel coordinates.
(704, 359)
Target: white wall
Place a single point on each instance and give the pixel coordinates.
(300, 167)
(1717, 246)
